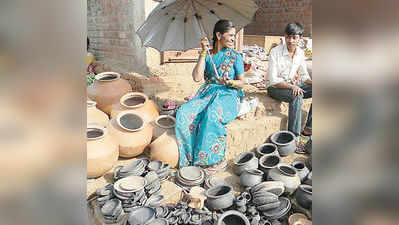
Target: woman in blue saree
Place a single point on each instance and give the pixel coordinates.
(200, 123)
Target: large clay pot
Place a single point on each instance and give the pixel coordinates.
(107, 90)
(162, 124)
(285, 140)
(102, 151)
(287, 174)
(136, 102)
(96, 115)
(131, 132)
(165, 149)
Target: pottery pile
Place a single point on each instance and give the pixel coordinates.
(112, 211)
(160, 168)
(130, 191)
(190, 176)
(134, 168)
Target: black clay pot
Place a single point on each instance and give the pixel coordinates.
(233, 217)
(301, 169)
(245, 161)
(219, 197)
(268, 162)
(267, 149)
(303, 196)
(285, 140)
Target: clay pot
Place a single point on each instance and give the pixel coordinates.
(308, 179)
(162, 124)
(268, 162)
(95, 115)
(219, 197)
(245, 161)
(285, 140)
(165, 149)
(296, 217)
(136, 102)
(301, 169)
(287, 174)
(232, 217)
(250, 178)
(102, 151)
(267, 149)
(303, 196)
(280, 211)
(107, 90)
(131, 132)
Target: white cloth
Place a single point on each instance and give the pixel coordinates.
(283, 68)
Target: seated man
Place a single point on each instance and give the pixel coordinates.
(288, 79)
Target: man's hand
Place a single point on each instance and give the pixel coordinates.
(297, 90)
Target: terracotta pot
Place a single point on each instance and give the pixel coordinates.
(136, 102)
(165, 149)
(107, 90)
(288, 175)
(102, 151)
(96, 115)
(131, 132)
(162, 124)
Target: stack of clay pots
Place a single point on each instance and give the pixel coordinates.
(131, 191)
(190, 176)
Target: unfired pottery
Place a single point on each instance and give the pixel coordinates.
(131, 132)
(102, 151)
(107, 90)
(136, 102)
(95, 115)
(286, 174)
(165, 149)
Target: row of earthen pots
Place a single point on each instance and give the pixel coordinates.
(134, 123)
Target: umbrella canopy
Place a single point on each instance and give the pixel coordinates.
(180, 24)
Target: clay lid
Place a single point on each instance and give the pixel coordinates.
(130, 121)
(133, 100)
(190, 173)
(130, 184)
(107, 76)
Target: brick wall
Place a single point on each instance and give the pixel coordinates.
(111, 25)
(273, 15)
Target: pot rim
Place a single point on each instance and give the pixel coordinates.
(119, 116)
(273, 137)
(233, 212)
(303, 187)
(298, 162)
(165, 116)
(254, 172)
(133, 94)
(259, 148)
(104, 74)
(279, 167)
(230, 192)
(240, 156)
(263, 159)
(91, 103)
(96, 126)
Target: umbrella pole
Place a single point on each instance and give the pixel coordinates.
(209, 53)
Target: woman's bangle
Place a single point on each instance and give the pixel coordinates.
(203, 54)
